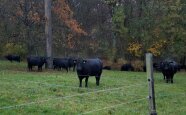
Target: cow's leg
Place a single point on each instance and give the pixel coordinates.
(74, 68)
(38, 68)
(167, 79)
(164, 76)
(172, 78)
(30, 67)
(97, 80)
(86, 81)
(59, 68)
(80, 81)
(66, 69)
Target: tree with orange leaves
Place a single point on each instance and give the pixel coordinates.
(64, 13)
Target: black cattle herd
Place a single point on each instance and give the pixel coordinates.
(93, 67)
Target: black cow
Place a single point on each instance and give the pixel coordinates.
(107, 67)
(60, 63)
(35, 61)
(65, 63)
(168, 68)
(156, 66)
(127, 67)
(72, 63)
(89, 67)
(13, 58)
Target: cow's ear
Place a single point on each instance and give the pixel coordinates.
(84, 61)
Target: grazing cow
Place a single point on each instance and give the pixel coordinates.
(59, 63)
(35, 61)
(89, 67)
(65, 63)
(13, 58)
(107, 67)
(127, 67)
(168, 68)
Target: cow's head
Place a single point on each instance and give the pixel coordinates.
(44, 59)
(81, 64)
(167, 65)
(74, 61)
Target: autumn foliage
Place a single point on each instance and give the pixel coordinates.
(70, 41)
(135, 49)
(64, 12)
(156, 47)
(28, 12)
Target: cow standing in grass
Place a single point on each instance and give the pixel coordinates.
(11, 58)
(127, 67)
(72, 63)
(168, 68)
(60, 63)
(35, 61)
(65, 63)
(89, 67)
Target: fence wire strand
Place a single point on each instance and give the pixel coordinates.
(42, 101)
(82, 94)
(54, 85)
(117, 105)
(57, 85)
(113, 106)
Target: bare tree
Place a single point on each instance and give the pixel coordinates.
(48, 33)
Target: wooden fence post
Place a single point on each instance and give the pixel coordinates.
(150, 79)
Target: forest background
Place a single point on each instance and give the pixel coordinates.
(110, 29)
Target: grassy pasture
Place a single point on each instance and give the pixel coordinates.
(57, 92)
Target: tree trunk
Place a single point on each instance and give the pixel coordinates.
(48, 33)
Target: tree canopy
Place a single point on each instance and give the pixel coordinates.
(87, 28)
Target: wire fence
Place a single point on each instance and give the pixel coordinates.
(88, 89)
(87, 93)
(70, 96)
(82, 94)
(66, 86)
(113, 106)
(129, 102)
(55, 85)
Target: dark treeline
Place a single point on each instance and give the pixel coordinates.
(115, 29)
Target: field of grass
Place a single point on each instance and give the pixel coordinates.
(56, 92)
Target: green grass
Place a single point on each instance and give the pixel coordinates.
(60, 89)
